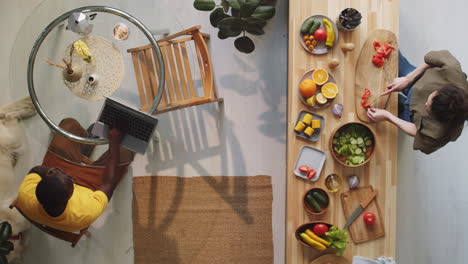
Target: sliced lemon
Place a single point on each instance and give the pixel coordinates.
(311, 101)
(320, 99)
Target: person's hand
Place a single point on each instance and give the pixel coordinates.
(398, 85)
(377, 115)
(115, 136)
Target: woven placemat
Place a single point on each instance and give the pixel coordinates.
(202, 219)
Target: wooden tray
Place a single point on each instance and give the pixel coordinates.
(359, 231)
(372, 77)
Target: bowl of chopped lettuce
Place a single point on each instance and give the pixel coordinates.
(352, 144)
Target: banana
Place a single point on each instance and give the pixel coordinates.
(312, 242)
(330, 32)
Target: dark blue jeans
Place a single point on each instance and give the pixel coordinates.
(404, 68)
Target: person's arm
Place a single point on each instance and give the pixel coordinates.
(111, 178)
(400, 83)
(40, 170)
(378, 115)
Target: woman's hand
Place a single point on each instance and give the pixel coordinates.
(377, 115)
(398, 85)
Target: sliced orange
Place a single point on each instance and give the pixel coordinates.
(329, 90)
(307, 88)
(320, 76)
(320, 99)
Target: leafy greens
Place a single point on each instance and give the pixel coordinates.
(338, 239)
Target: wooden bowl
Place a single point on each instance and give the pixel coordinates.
(302, 229)
(341, 159)
(308, 208)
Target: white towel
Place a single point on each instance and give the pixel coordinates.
(381, 260)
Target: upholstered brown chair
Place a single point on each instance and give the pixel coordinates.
(63, 235)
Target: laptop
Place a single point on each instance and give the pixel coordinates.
(140, 125)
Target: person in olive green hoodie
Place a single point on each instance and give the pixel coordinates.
(433, 103)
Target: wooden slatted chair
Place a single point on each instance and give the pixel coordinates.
(179, 91)
(63, 235)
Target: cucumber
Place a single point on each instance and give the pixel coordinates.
(321, 198)
(7, 245)
(353, 141)
(307, 25)
(358, 151)
(5, 231)
(364, 149)
(360, 141)
(315, 206)
(314, 27)
(204, 5)
(368, 142)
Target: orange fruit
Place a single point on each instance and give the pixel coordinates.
(329, 90)
(320, 76)
(307, 88)
(320, 99)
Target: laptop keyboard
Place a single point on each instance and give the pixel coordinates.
(137, 127)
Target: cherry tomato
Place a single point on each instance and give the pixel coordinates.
(304, 168)
(369, 218)
(320, 34)
(320, 229)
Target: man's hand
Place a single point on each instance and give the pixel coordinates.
(377, 115)
(398, 85)
(115, 136)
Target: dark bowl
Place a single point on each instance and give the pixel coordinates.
(310, 226)
(309, 209)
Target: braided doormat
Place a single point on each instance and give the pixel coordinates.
(202, 220)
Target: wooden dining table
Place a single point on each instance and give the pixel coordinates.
(381, 171)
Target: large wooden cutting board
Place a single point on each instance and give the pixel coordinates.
(372, 77)
(360, 231)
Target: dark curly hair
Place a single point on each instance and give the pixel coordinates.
(450, 105)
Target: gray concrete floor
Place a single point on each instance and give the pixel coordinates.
(247, 137)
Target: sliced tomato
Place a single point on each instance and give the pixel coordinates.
(311, 174)
(378, 60)
(388, 45)
(304, 168)
(376, 44)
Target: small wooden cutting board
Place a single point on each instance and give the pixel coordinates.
(360, 231)
(372, 77)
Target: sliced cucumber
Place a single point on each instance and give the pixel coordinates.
(368, 142)
(358, 151)
(360, 141)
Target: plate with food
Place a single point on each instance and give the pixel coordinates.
(352, 144)
(317, 88)
(318, 34)
(309, 125)
(309, 164)
(322, 237)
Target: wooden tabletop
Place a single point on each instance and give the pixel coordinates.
(381, 171)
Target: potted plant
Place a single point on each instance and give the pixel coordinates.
(5, 245)
(236, 17)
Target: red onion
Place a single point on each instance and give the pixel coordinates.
(337, 109)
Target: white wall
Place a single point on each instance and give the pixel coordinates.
(245, 137)
(432, 201)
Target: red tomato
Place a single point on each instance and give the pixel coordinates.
(304, 168)
(320, 229)
(378, 60)
(320, 34)
(376, 44)
(311, 174)
(369, 218)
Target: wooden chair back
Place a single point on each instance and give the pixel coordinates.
(179, 91)
(63, 235)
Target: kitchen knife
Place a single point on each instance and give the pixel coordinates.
(360, 208)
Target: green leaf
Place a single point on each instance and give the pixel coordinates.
(204, 5)
(225, 5)
(244, 44)
(256, 21)
(264, 12)
(255, 30)
(252, 3)
(235, 4)
(338, 239)
(8, 245)
(216, 16)
(232, 26)
(221, 35)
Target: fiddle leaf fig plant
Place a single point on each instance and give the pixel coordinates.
(234, 18)
(5, 246)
